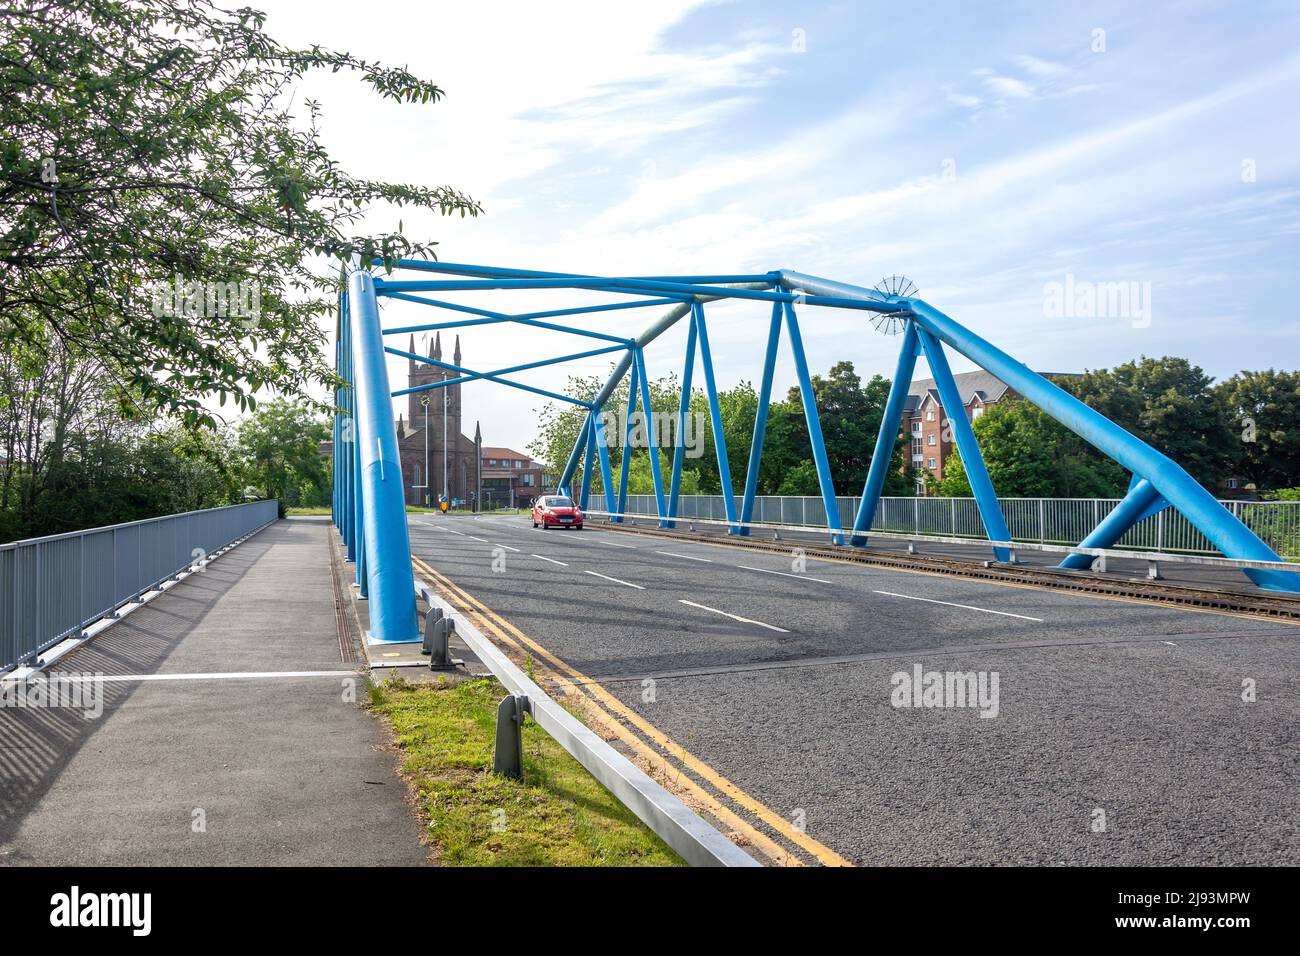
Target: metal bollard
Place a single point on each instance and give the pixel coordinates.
(438, 629)
(1153, 571)
(431, 618)
(508, 758)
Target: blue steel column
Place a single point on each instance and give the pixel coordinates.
(651, 436)
(602, 451)
(1142, 499)
(814, 427)
(626, 462)
(760, 418)
(955, 411)
(679, 438)
(888, 437)
(391, 583)
(715, 417)
(588, 462)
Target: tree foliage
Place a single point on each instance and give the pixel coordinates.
(1263, 412)
(147, 143)
(1030, 455)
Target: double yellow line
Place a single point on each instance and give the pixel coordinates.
(615, 716)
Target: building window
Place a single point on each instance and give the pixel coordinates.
(415, 481)
(518, 463)
(1232, 483)
(930, 463)
(916, 428)
(929, 415)
(528, 480)
(916, 448)
(929, 440)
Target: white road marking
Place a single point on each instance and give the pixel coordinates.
(787, 574)
(688, 557)
(506, 546)
(231, 675)
(967, 607)
(734, 617)
(542, 557)
(461, 533)
(475, 537)
(612, 544)
(639, 587)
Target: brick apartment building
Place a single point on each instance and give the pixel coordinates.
(926, 425)
(924, 421)
(510, 478)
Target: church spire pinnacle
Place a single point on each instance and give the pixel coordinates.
(456, 359)
(437, 346)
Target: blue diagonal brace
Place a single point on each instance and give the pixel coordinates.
(886, 441)
(1142, 501)
(679, 436)
(715, 415)
(976, 473)
(822, 463)
(760, 419)
(651, 433)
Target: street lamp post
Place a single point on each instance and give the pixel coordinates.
(425, 402)
(444, 444)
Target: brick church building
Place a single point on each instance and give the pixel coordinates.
(422, 464)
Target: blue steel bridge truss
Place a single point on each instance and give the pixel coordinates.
(369, 504)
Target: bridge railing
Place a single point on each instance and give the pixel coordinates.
(52, 588)
(1064, 521)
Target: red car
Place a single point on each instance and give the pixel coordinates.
(556, 511)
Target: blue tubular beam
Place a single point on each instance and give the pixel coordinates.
(715, 416)
(626, 462)
(760, 418)
(470, 374)
(639, 287)
(391, 584)
(1179, 488)
(1142, 499)
(829, 501)
(458, 268)
(491, 318)
(652, 435)
(954, 410)
(588, 462)
(888, 437)
(602, 451)
(679, 437)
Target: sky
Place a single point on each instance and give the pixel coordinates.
(1009, 158)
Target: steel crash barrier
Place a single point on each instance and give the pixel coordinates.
(52, 588)
(692, 837)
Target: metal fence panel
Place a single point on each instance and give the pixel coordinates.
(1065, 521)
(51, 588)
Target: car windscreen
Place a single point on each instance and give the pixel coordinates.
(559, 502)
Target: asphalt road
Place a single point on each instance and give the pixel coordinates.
(1120, 735)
